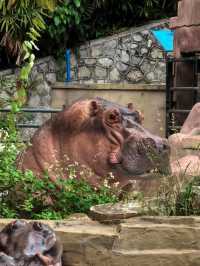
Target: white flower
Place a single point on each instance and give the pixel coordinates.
(116, 184)
(2, 147)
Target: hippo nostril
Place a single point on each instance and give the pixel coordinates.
(165, 146)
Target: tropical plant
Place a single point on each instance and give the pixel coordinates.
(22, 19)
(21, 24)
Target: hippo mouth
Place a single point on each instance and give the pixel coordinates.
(140, 163)
(147, 174)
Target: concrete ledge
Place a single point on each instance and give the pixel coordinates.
(109, 86)
(141, 241)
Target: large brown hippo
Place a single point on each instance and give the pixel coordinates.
(103, 136)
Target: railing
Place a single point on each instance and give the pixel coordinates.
(31, 110)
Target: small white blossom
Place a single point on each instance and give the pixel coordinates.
(2, 147)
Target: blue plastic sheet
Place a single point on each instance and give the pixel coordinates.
(166, 38)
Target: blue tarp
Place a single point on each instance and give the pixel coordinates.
(166, 38)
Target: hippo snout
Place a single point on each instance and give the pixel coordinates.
(162, 145)
(143, 153)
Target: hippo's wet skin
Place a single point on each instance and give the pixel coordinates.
(100, 135)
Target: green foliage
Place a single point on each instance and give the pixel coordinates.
(189, 199)
(80, 20)
(67, 14)
(20, 20)
(177, 197)
(21, 24)
(22, 195)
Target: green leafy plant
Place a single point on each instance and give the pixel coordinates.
(19, 19)
(21, 24)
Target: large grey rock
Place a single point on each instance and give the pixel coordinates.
(105, 62)
(6, 72)
(50, 78)
(114, 75)
(121, 66)
(137, 37)
(110, 44)
(42, 68)
(8, 82)
(84, 73)
(136, 60)
(125, 56)
(151, 76)
(157, 53)
(34, 73)
(4, 96)
(45, 101)
(83, 52)
(135, 75)
(52, 67)
(34, 101)
(100, 72)
(42, 88)
(160, 75)
(143, 51)
(96, 51)
(90, 61)
(133, 45)
(146, 66)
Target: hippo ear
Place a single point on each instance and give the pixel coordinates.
(94, 108)
(114, 116)
(130, 106)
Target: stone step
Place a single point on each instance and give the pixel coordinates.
(145, 236)
(158, 257)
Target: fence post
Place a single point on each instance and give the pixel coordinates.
(67, 57)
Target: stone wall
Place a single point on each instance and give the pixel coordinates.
(133, 56)
(43, 75)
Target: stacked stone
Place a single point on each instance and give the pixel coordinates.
(131, 57)
(43, 75)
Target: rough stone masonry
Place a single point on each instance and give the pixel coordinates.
(133, 56)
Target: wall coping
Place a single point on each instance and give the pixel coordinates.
(109, 86)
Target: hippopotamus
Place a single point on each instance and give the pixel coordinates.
(29, 244)
(99, 135)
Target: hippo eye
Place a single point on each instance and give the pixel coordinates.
(37, 226)
(112, 117)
